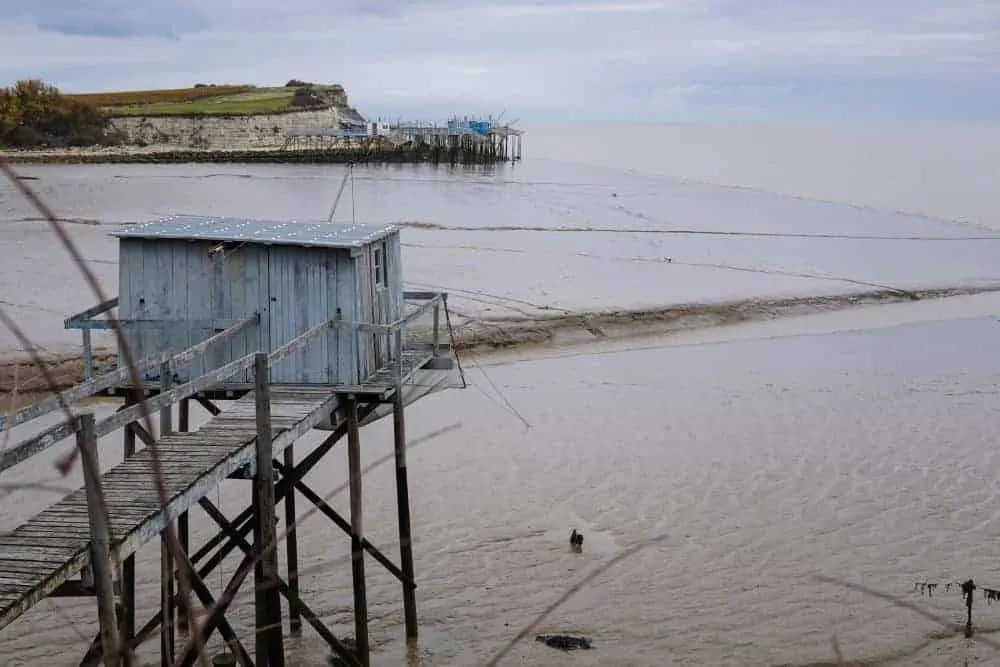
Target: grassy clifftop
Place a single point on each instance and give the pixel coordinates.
(218, 100)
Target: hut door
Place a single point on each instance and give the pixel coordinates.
(299, 299)
(380, 302)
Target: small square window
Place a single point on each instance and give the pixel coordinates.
(379, 261)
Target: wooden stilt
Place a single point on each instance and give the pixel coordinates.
(218, 617)
(270, 643)
(293, 598)
(183, 527)
(292, 549)
(167, 602)
(403, 508)
(244, 519)
(402, 485)
(100, 541)
(127, 578)
(357, 532)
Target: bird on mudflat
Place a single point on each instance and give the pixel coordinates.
(575, 539)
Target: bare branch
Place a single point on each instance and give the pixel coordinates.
(90, 277)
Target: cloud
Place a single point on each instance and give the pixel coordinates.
(111, 18)
(627, 59)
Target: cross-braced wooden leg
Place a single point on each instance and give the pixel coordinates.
(293, 598)
(217, 619)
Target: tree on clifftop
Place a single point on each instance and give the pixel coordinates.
(34, 114)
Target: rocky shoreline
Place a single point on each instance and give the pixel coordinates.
(173, 155)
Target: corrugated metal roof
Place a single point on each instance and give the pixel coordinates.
(280, 232)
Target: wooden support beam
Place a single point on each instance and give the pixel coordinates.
(140, 432)
(292, 548)
(167, 602)
(217, 619)
(270, 643)
(212, 408)
(100, 540)
(244, 519)
(403, 509)
(357, 532)
(151, 628)
(103, 307)
(74, 588)
(128, 565)
(93, 656)
(183, 527)
(345, 525)
(283, 587)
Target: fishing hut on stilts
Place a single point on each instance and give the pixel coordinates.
(275, 328)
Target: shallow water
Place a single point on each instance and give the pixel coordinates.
(861, 454)
(855, 444)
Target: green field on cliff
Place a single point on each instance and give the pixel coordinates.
(212, 100)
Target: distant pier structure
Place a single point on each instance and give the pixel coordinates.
(275, 328)
(458, 140)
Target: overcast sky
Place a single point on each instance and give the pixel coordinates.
(669, 60)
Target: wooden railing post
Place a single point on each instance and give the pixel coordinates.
(88, 355)
(269, 641)
(100, 540)
(437, 328)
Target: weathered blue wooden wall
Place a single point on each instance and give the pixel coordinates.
(189, 294)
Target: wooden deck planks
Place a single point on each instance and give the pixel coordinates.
(53, 546)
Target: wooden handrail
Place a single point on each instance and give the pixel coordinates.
(110, 379)
(73, 320)
(26, 449)
(66, 428)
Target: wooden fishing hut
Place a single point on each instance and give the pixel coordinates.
(275, 328)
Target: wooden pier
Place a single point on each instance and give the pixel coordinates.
(455, 142)
(260, 403)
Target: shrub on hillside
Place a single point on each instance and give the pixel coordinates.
(34, 114)
(306, 97)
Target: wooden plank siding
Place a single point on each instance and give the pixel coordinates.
(193, 293)
(179, 283)
(306, 286)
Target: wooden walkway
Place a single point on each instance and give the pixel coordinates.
(53, 546)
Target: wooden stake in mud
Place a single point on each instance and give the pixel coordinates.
(967, 589)
(270, 643)
(100, 540)
(357, 551)
(292, 549)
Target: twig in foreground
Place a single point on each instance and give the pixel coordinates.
(170, 533)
